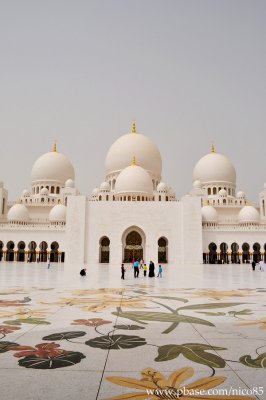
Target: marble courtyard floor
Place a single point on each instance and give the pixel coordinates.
(200, 327)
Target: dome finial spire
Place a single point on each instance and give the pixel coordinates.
(213, 149)
(134, 162)
(55, 150)
(134, 130)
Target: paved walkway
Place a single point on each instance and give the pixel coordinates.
(200, 327)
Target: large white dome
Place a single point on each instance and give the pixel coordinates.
(52, 166)
(214, 167)
(248, 215)
(134, 180)
(58, 213)
(209, 214)
(18, 213)
(123, 149)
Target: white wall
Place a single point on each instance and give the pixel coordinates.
(112, 219)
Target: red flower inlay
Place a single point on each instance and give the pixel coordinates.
(91, 322)
(42, 350)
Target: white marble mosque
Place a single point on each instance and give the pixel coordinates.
(133, 214)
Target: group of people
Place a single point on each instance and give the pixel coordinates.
(261, 265)
(137, 265)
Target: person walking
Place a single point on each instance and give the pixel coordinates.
(261, 263)
(145, 269)
(123, 271)
(253, 265)
(136, 269)
(151, 270)
(160, 271)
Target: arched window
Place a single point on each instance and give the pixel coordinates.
(212, 253)
(214, 190)
(21, 252)
(57, 190)
(104, 250)
(256, 252)
(162, 250)
(235, 253)
(209, 191)
(1, 250)
(32, 251)
(43, 252)
(54, 252)
(224, 253)
(10, 251)
(52, 189)
(245, 253)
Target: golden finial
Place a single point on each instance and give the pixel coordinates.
(55, 146)
(134, 162)
(134, 130)
(213, 149)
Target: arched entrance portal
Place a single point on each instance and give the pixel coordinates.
(133, 247)
(162, 250)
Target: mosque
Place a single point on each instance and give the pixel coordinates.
(133, 214)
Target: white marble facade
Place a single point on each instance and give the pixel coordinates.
(132, 214)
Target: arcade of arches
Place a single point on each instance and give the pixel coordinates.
(234, 253)
(32, 252)
(133, 249)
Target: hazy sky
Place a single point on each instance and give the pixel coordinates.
(190, 72)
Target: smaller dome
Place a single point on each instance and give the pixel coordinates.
(248, 215)
(240, 194)
(134, 180)
(162, 187)
(58, 213)
(222, 192)
(25, 193)
(105, 186)
(197, 184)
(18, 213)
(44, 191)
(69, 183)
(209, 214)
(95, 192)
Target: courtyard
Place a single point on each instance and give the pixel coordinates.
(199, 327)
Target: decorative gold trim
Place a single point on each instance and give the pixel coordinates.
(134, 129)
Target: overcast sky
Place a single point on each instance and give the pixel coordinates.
(190, 72)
